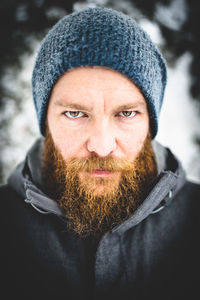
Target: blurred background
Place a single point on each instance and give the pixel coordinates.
(173, 25)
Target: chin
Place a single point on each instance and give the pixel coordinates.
(99, 186)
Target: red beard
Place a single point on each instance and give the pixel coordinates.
(94, 206)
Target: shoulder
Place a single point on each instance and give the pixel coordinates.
(8, 198)
(187, 201)
(7, 191)
(191, 189)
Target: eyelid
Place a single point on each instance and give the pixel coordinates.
(72, 111)
(129, 117)
(84, 114)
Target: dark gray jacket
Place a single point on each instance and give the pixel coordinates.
(152, 255)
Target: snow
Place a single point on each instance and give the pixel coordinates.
(179, 119)
(172, 16)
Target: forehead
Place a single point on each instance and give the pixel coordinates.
(87, 85)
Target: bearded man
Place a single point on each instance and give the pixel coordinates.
(99, 209)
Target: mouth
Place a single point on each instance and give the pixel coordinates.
(101, 173)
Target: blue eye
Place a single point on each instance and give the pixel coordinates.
(74, 114)
(127, 113)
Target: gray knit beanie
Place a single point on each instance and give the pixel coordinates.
(99, 37)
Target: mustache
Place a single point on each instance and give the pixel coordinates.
(93, 163)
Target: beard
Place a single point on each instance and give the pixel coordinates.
(95, 205)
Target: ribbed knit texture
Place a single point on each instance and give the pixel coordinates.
(101, 37)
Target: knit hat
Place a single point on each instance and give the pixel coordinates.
(99, 37)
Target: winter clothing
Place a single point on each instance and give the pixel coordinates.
(152, 255)
(99, 37)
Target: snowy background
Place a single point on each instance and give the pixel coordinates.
(179, 126)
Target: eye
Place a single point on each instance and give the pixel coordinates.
(127, 113)
(74, 114)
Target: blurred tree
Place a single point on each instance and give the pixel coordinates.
(21, 21)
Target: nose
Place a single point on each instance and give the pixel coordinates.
(102, 140)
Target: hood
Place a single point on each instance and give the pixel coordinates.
(26, 181)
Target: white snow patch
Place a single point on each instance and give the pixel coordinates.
(179, 119)
(172, 16)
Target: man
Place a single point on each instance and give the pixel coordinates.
(99, 209)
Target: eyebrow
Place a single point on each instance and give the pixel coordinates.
(72, 105)
(131, 105)
(89, 108)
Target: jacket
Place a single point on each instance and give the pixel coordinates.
(152, 255)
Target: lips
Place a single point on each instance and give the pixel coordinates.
(101, 172)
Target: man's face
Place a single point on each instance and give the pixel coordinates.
(98, 161)
(97, 111)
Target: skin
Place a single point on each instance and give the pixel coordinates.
(96, 110)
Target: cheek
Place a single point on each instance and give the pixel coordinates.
(132, 147)
(66, 148)
(132, 142)
(67, 140)
(69, 144)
